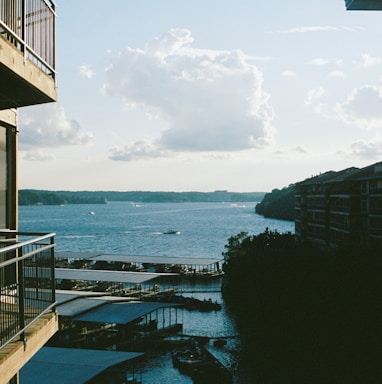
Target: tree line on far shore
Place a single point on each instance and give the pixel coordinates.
(30, 197)
(34, 197)
(305, 315)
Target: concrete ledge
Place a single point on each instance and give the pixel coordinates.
(23, 83)
(15, 355)
(8, 116)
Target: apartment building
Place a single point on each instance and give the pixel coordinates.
(336, 207)
(27, 293)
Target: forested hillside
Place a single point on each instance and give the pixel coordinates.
(279, 204)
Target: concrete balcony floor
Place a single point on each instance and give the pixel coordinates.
(23, 83)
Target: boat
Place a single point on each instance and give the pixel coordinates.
(188, 358)
(171, 232)
(197, 362)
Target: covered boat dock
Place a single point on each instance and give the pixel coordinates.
(184, 265)
(80, 366)
(91, 320)
(124, 282)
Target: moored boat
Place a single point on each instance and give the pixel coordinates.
(195, 361)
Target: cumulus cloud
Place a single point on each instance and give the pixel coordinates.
(365, 150)
(135, 149)
(363, 107)
(370, 61)
(47, 126)
(207, 100)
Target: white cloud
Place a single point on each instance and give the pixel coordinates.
(207, 100)
(39, 156)
(86, 71)
(336, 74)
(319, 61)
(313, 95)
(363, 107)
(135, 149)
(47, 126)
(318, 28)
(370, 61)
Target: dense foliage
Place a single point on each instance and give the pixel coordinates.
(306, 316)
(279, 204)
(47, 198)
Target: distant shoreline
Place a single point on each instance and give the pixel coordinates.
(46, 197)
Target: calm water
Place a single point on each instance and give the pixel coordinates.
(125, 228)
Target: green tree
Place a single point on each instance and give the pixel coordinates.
(305, 315)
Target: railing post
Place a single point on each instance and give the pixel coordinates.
(21, 288)
(23, 28)
(52, 264)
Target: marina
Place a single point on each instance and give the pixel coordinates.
(121, 236)
(133, 312)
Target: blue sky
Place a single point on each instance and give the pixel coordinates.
(174, 95)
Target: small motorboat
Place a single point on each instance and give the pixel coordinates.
(171, 232)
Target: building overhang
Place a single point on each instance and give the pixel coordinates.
(363, 5)
(23, 83)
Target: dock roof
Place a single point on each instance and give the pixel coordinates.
(102, 308)
(70, 365)
(109, 276)
(97, 256)
(78, 306)
(121, 313)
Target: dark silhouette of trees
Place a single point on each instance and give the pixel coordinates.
(279, 204)
(305, 315)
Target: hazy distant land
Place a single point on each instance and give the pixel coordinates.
(45, 197)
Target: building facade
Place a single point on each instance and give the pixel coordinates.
(27, 77)
(336, 207)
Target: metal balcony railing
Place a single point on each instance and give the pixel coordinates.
(30, 25)
(27, 283)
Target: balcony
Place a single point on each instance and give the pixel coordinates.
(27, 298)
(27, 59)
(363, 5)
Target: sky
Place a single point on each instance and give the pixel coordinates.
(175, 95)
